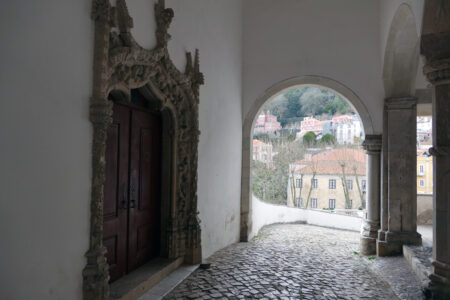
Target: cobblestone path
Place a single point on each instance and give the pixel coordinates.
(287, 262)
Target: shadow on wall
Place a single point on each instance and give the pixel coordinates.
(265, 214)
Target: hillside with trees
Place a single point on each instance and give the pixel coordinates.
(298, 103)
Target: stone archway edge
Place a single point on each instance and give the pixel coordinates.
(120, 63)
(278, 88)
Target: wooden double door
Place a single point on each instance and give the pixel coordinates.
(131, 222)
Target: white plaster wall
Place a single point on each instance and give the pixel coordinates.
(333, 220)
(388, 8)
(265, 214)
(335, 39)
(46, 136)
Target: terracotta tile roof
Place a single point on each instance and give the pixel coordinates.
(259, 143)
(330, 162)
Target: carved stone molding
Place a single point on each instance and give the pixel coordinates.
(438, 71)
(372, 143)
(400, 103)
(120, 65)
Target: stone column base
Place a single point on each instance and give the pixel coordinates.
(437, 291)
(368, 245)
(439, 286)
(393, 242)
(369, 237)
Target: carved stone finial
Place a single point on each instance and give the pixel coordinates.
(101, 10)
(164, 17)
(198, 79)
(122, 18)
(189, 67)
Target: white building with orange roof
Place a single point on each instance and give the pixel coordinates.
(332, 179)
(262, 151)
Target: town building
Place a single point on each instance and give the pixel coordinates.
(347, 129)
(267, 123)
(424, 173)
(262, 152)
(310, 124)
(327, 178)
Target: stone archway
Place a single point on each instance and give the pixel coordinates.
(335, 86)
(120, 65)
(398, 208)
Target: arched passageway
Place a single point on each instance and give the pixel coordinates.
(312, 81)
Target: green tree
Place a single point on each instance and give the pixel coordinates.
(309, 138)
(328, 139)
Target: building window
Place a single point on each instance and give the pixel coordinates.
(350, 184)
(332, 184)
(421, 170)
(297, 202)
(349, 205)
(421, 182)
(298, 183)
(313, 202)
(314, 183)
(300, 203)
(332, 203)
(364, 185)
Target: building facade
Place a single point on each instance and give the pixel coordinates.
(424, 173)
(333, 179)
(267, 123)
(262, 151)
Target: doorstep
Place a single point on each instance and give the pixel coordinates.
(135, 284)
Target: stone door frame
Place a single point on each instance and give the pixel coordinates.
(249, 122)
(120, 65)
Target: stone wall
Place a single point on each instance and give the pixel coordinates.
(424, 209)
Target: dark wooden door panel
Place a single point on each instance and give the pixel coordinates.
(116, 192)
(144, 182)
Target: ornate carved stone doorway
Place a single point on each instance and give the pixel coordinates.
(121, 65)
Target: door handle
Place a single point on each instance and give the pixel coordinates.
(133, 196)
(124, 196)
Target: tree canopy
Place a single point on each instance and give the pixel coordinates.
(309, 138)
(297, 103)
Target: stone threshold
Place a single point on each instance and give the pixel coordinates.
(135, 284)
(419, 259)
(165, 286)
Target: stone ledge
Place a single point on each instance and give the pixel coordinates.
(418, 258)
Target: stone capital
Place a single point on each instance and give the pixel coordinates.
(438, 72)
(372, 143)
(400, 103)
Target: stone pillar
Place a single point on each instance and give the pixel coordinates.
(371, 224)
(401, 121)
(435, 47)
(384, 184)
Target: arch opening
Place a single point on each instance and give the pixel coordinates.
(334, 88)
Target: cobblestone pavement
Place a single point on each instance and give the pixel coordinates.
(401, 278)
(287, 262)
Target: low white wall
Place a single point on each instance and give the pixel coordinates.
(265, 214)
(333, 220)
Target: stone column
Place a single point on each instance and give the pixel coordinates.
(372, 145)
(401, 116)
(435, 47)
(384, 184)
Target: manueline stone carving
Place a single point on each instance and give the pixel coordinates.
(121, 64)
